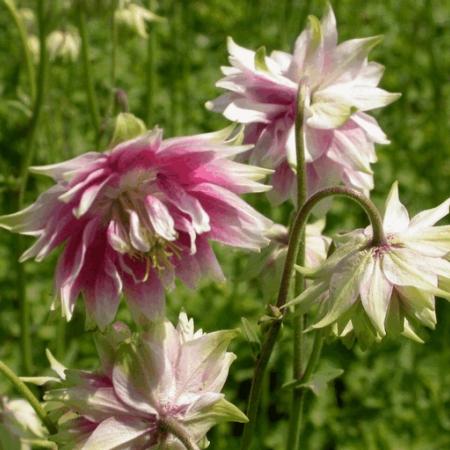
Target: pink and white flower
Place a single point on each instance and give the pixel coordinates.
(385, 289)
(337, 85)
(163, 374)
(19, 424)
(133, 217)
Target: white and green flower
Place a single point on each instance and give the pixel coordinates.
(387, 289)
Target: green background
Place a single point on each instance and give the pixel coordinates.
(395, 395)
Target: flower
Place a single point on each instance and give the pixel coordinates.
(337, 85)
(135, 17)
(161, 375)
(18, 424)
(64, 45)
(267, 269)
(134, 216)
(388, 288)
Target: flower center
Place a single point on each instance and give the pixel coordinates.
(135, 228)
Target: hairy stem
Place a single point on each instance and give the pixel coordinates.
(25, 392)
(283, 293)
(172, 426)
(90, 91)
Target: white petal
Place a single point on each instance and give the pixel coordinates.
(396, 217)
(325, 114)
(137, 237)
(375, 291)
(362, 98)
(429, 217)
(160, 218)
(344, 287)
(115, 433)
(371, 127)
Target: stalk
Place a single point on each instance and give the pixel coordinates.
(151, 70)
(299, 321)
(11, 7)
(25, 392)
(113, 27)
(174, 427)
(90, 91)
(297, 229)
(27, 159)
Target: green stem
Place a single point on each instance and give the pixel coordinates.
(172, 426)
(297, 229)
(61, 339)
(90, 91)
(25, 392)
(10, 5)
(299, 320)
(152, 73)
(27, 159)
(301, 391)
(177, 63)
(113, 62)
(38, 103)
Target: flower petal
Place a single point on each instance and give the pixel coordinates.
(396, 217)
(114, 433)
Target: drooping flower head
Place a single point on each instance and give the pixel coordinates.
(135, 17)
(19, 424)
(134, 216)
(385, 289)
(163, 373)
(337, 84)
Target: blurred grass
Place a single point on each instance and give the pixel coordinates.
(395, 396)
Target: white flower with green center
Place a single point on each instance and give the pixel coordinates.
(388, 288)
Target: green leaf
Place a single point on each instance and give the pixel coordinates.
(318, 381)
(127, 127)
(250, 333)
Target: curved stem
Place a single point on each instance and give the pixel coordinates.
(26, 48)
(174, 427)
(90, 91)
(291, 257)
(25, 392)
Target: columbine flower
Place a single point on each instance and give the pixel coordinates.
(135, 17)
(18, 424)
(64, 45)
(165, 373)
(385, 289)
(338, 85)
(134, 216)
(269, 265)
